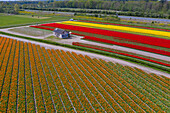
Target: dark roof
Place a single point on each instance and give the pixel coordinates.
(59, 30)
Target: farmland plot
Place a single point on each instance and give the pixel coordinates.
(35, 79)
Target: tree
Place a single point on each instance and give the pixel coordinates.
(40, 4)
(16, 8)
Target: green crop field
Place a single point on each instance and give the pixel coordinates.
(12, 20)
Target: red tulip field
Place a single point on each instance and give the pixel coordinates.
(38, 79)
(141, 42)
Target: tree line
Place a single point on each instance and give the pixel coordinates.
(143, 8)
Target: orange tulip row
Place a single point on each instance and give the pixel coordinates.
(3, 51)
(152, 81)
(108, 103)
(3, 40)
(139, 88)
(59, 96)
(165, 79)
(45, 87)
(6, 70)
(140, 92)
(96, 76)
(162, 95)
(3, 60)
(155, 80)
(77, 72)
(21, 100)
(112, 86)
(14, 79)
(37, 89)
(76, 106)
(67, 72)
(35, 79)
(29, 87)
(120, 88)
(71, 74)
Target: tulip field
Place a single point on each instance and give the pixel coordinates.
(154, 41)
(122, 28)
(154, 60)
(106, 33)
(105, 23)
(34, 78)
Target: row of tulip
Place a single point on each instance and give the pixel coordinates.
(130, 91)
(121, 53)
(102, 101)
(127, 95)
(4, 61)
(131, 37)
(158, 90)
(92, 105)
(123, 88)
(2, 39)
(41, 27)
(155, 81)
(21, 97)
(37, 89)
(6, 71)
(76, 74)
(13, 86)
(48, 99)
(122, 28)
(78, 103)
(124, 25)
(165, 78)
(59, 65)
(96, 87)
(60, 96)
(29, 84)
(3, 51)
(125, 79)
(77, 107)
(122, 100)
(128, 45)
(35, 79)
(149, 87)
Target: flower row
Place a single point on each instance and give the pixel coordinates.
(131, 37)
(128, 45)
(121, 28)
(150, 60)
(125, 25)
(6, 69)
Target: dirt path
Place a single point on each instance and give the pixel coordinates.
(93, 55)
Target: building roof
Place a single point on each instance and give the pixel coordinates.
(60, 31)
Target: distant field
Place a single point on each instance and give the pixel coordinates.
(11, 20)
